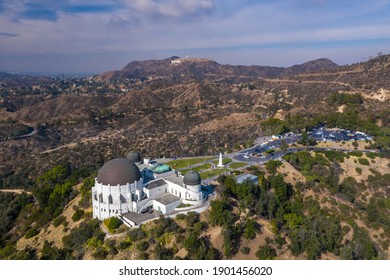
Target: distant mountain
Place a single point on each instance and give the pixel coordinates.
(5, 75)
(8, 79)
(177, 68)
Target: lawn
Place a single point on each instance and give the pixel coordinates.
(212, 173)
(235, 165)
(224, 161)
(185, 162)
(199, 168)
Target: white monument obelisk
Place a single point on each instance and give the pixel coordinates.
(220, 164)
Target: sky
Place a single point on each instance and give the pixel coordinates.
(75, 36)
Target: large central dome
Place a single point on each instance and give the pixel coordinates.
(118, 171)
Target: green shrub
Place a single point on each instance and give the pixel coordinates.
(359, 170)
(136, 234)
(266, 252)
(31, 233)
(355, 153)
(363, 161)
(334, 155)
(100, 253)
(386, 178)
(112, 224)
(124, 245)
(110, 246)
(181, 217)
(143, 246)
(371, 155)
(77, 215)
(58, 221)
(272, 166)
(245, 250)
(143, 256)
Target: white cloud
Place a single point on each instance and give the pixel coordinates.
(171, 8)
(150, 28)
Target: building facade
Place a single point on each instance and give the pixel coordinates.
(121, 187)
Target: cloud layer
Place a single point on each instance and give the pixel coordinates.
(240, 32)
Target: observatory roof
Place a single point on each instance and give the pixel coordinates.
(192, 178)
(118, 171)
(134, 157)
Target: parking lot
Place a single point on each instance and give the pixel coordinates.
(264, 150)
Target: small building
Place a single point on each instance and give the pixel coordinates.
(166, 203)
(247, 177)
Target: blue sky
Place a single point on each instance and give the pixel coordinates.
(100, 35)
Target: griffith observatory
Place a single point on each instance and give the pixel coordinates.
(135, 185)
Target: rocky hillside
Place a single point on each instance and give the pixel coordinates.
(86, 121)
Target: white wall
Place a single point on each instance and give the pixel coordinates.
(165, 208)
(103, 209)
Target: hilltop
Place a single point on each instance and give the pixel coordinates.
(182, 69)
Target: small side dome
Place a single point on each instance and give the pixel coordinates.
(134, 157)
(118, 171)
(192, 178)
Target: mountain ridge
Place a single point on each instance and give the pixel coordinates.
(177, 68)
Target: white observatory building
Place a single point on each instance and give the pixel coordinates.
(121, 187)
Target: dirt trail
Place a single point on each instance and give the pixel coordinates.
(17, 191)
(102, 136)
(304, 82)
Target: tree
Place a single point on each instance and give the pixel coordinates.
(282, 191)
(251, 228)
(231, 236)
(305, 139)
(266, 252)
(272, 166)
(220, 213)
(283, 145)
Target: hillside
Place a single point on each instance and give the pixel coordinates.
(182, 69)
(340, 217)
(57, 133)
(164, 118)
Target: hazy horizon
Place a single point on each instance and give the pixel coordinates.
(77, 36)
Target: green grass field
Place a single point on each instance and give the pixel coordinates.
(224, 161)
(199, 168)
(235, 165)
(212, 173)
(183, 163)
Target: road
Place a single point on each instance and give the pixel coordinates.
(319, 134)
